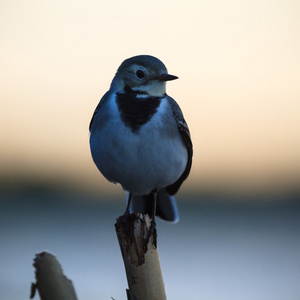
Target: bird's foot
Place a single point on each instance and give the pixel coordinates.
(126, 219)
(152, 231)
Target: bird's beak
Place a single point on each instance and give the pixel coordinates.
(166, 77)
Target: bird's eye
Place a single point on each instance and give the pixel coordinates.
(140, 74)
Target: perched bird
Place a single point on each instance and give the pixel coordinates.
(139, 138)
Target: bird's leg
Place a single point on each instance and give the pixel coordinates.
(152, 229)
(127, 211)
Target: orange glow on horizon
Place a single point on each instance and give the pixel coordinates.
(239, 82)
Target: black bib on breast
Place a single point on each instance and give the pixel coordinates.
(136, 111)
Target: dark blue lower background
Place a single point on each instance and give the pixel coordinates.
(218, 250)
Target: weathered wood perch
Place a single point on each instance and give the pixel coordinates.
(51, 283)
(141, 262)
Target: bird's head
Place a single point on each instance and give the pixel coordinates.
(142, 73)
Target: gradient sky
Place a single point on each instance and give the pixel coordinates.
(238, 64)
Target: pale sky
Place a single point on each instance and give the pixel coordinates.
(238, 64)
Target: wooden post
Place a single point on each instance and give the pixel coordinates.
(141, 261)
(51, 283)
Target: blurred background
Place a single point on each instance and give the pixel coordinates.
(238, 64)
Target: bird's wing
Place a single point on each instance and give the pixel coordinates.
(103, 100)
(185, 134)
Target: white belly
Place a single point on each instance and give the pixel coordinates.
(152, 158)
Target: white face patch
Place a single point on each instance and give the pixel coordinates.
(135, 67)
(153, 88)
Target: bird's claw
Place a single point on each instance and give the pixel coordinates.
(152, 231)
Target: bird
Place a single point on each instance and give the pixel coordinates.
(140, 139)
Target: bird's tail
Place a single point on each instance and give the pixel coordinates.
(166, 207)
